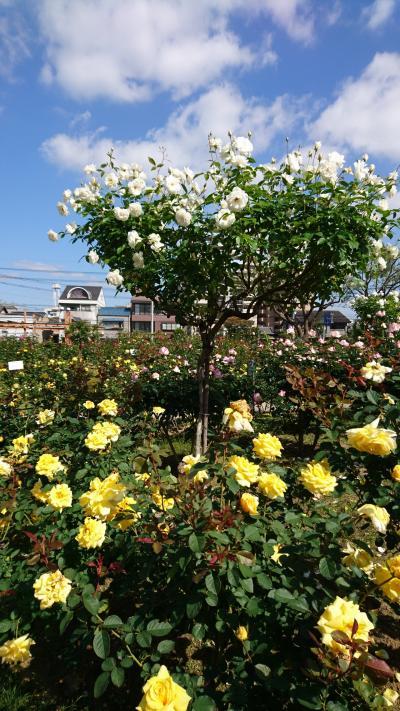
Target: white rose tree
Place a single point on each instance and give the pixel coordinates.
(219, 243)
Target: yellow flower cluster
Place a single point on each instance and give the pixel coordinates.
(160, 500)
(387, 576)
(108, 407)
(267, 446)
(162, 692)
(316, 477)
(89, 405)
(237, 417)
(187, 463)
(50, 588)
(104, 496)
(246, 472)
(59, 496)
(101, 436)
(130, 515)
(340, 616)
(17, 651)
(271, 485)
(242, 633)
(357, 557)
(45, 417)
(48, 465)
(91, 533)
(372, 439)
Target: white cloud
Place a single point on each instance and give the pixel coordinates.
(366, 113)
(378, 13)
(128, 50)
(13, 43)
(185, 133)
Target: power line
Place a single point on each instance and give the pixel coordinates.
(51, 271)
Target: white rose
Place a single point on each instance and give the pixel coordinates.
(115, 278)
(67, 194)
(288, 178)
(224, 219)
(392, 191)
(293, 161)
(183, 217)
(215, 144)
(133, 238)
(336, 158)
(62, 208)
(383, 204)
(121, 213)
(111, 180)
(53, 236)
(135, 209)
(238, 160)
(317, 145)
(242, 145)
(382, 264)
(360, 170)
(138, 261)
(173, 185)
(93, 257)
(70, 228)
(136, 186)
(155, 242)
(90, 168)
(237, 200)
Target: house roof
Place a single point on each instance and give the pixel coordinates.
(337, 316)
(93, 291)
(114, 311)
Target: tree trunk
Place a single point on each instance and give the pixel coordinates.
(203, 379)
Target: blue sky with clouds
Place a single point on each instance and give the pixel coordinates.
(80, 76)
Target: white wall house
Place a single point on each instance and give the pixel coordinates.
(83, 302)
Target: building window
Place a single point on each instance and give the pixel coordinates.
(141, 326)
(78, 293)
(169, 326)
(142, 308)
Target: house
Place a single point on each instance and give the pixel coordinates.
(329, 319)
(145, 316)
(83, 302)
(114, 320)
(40, 325)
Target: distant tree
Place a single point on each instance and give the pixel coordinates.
(218, 244)
(381, 275)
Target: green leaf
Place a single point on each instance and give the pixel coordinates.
(327, 568)
(101, 643)
(65, 621)
(108, 664)
(262, 671)
(5, 625)
(159, 629)
(204, 703)
(193, 609)
(101, 684)
(166, 646)
(118, 676)
(198, 631)
(91, 603)
(112, 621)
(281, 595)
(196, 543)
(143, 639)
(213, 584)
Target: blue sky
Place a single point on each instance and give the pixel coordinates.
(78, 76)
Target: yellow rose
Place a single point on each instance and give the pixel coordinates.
(390, 696)
(375, 371)
(277, 555)
(97, 441)
(372, 439)
(200, 476)
(108, 407)
(316, 477)
(267, 446)
(89, 405)
(162, 692)
(271, 485)
(60, 497)
(5, 467)
(49, 465)
(125, 507)
(157, 410)
(378, 516)
(161, 501)
(237, 417)
(387, 577)
(357, 557)
(50, 588)
(187, 463)
(45, 417)
(242, 633)
(38, 493)
(340, 615)
(91, 533)
(108, 429)
(17, 651)
(246, 472)
(21, 444)
(395, 472)
(104, 496)
(249, 504)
